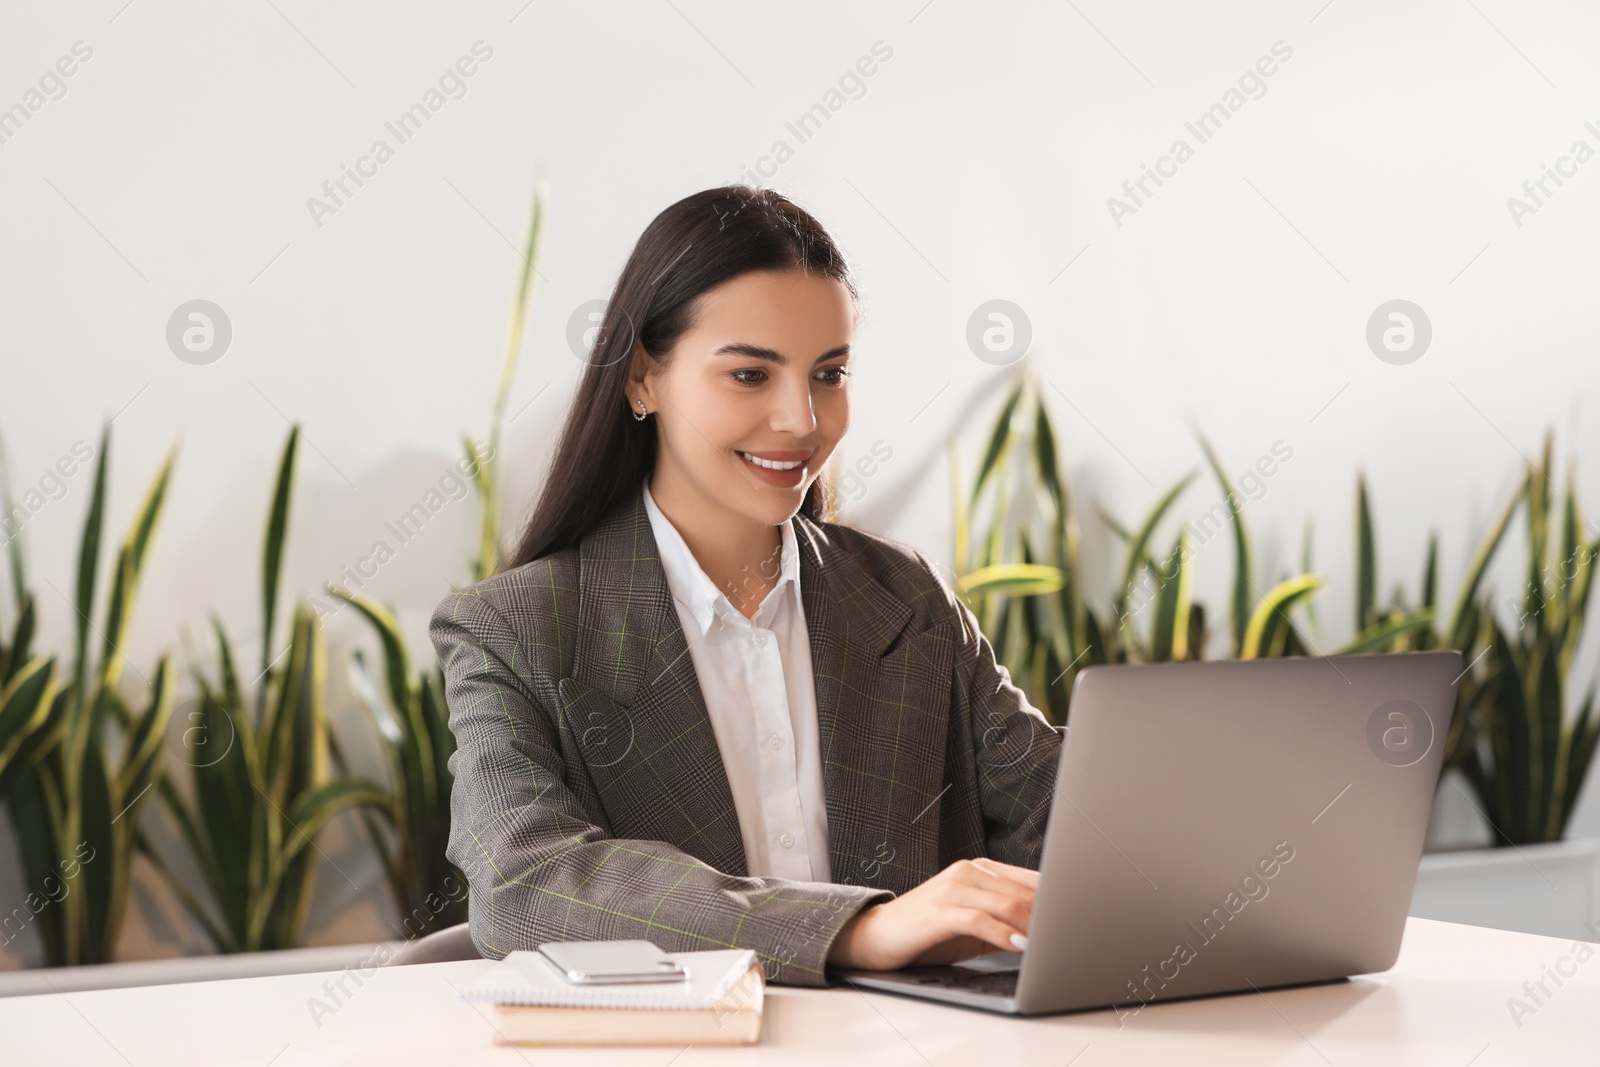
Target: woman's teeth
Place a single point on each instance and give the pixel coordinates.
(772, 465)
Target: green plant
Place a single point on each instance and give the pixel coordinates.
(1403, 628)
(259, 804)
(408, 710)
(409, 714)
(1525, 758)
(1030, 602)
(1031, 608)
(27, 682)
(1178, 626)
(77, 761)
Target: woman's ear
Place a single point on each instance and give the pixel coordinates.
(639, 384)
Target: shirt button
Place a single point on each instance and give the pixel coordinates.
(774, 742)
(760, 640)
(786, 840)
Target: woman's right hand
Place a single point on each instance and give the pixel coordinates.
(971, 908)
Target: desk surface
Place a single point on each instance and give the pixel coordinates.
(1444, 1002)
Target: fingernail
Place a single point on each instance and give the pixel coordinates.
(1020, 942)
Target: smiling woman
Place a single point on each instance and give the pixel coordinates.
(693, 710)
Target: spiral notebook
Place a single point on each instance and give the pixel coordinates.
(528, 979)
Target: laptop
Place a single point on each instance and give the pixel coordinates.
(1221, 827)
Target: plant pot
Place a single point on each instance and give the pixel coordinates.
(1551, 888)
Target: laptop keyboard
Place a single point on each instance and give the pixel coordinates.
(999, 983)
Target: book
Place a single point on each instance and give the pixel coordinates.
(532, 1003)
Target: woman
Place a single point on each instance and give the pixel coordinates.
(691, 710)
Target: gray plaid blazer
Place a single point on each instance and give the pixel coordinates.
(590, 800)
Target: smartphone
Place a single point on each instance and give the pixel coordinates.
(599, 962)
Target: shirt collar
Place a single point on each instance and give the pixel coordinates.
(688, 581)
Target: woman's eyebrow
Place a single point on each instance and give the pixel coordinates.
(739, 348)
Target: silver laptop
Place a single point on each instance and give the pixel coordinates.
(1221, 827)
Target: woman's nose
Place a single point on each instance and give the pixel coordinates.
(792, 412)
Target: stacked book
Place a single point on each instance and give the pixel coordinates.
(532, 1003)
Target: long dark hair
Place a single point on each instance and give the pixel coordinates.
(603, 456)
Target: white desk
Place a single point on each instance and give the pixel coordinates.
(1443, 1003)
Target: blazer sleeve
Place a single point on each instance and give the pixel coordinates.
(538, 866)
(1015, 750)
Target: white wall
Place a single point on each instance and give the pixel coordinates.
(978, 164)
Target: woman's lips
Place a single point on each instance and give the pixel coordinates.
(784, 479)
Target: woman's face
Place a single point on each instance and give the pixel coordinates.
(760, 373)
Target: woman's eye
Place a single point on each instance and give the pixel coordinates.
(832, 375)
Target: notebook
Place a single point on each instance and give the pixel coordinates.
(533, 1003)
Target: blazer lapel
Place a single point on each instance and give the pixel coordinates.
(637, 713)
(634, 704)
(882, 711)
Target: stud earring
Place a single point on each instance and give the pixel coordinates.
(642, 412)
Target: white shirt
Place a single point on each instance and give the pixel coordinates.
(755, 675)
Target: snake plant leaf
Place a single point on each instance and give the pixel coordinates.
(1580, 754)
(1570, 544)
(1430, 573)
(414, 750)
(25, 702)
(482, 470)
(1305, 568)
(1239, 604)
(281, 912)
(1111, 523)
(1011, 579)
(1466, 725)
(228, 677)
(1510, 741)
(411, 768)
(1366, 564)
(1577, 608)
(142, 756)
(1094, 641)
(89, 922)
(994, 545)
(397, 665)
(1538, 523)
(436, 714)
(188, 898)
(1272, 612)
(8, 506)
(1198, 634)
(1139, 548)
(1381, 634)
(1463, 623)
(272, 549)
(1066, 631)
(1045, 460)
(35, 801)
(18, 652)
(488, 561)
(1549, 707)
(1030, 611)
(1001, 438)
(130, 566)
(278, 732)
(88, 558)
(1169, 638)
(227, 782)
(313, 808)
(378, 710)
